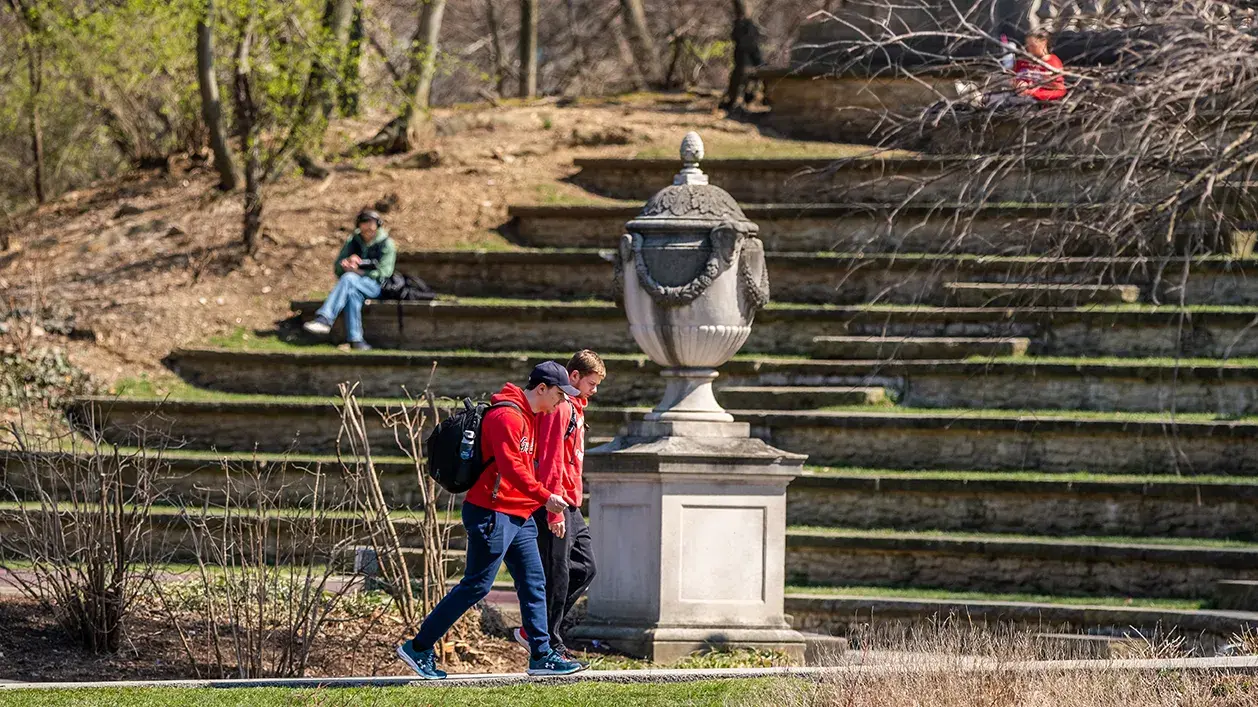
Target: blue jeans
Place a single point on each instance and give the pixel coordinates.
(348, 295)
(493, 537)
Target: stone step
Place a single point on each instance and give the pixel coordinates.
(996, 294)
(1043, 504)
(800, 397)
(872, 178)
(889, 439)
(1236, 594)
(994, 563)
(1205, 630)
(834, 278)
(1027, 383)
(921, 227)
(514, 326)
(1004, 502)
(883, 348)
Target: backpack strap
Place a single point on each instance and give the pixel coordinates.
(572, 421)
(498, 477)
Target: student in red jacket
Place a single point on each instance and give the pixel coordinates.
(563, 539)
(498, 516)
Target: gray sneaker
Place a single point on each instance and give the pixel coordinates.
(318, 326)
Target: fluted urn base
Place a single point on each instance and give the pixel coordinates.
(688, 397)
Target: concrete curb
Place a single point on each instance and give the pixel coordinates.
(924, 665)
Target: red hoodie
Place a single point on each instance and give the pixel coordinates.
(1043, 83)
(507, 436)
(559, 460)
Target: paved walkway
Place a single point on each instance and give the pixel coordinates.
(906, 663)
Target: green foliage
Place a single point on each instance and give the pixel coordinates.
(43, 378)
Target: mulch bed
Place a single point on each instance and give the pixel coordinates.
(34, 648)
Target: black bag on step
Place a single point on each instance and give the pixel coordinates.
(405, 288)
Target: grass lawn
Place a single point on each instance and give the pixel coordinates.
(579, 695)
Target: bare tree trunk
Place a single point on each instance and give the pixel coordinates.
(529, 11)
(747, 55)
(641, 40)
(319, 99)
(211, 106)
(402, 134)
(351, 79)
(498, 46)
(37, 129)
(35, 71)
(247, 117)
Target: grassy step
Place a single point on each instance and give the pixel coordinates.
(845, 610)
(1041, 504)
(490, 325)
(873, 178)
(800, 397)
(1080, 566)
(880, 348)
(985, 294)
(916, 226)
(892, 438)
(834, 278)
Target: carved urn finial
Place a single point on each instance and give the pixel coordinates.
(691, 153)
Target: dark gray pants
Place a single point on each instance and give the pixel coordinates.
(569, 566)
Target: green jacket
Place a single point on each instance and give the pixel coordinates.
(379, 258)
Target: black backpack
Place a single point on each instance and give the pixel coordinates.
(405, 288)
(445, 465)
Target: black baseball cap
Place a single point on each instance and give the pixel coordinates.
(552, 373)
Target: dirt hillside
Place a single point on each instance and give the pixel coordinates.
(135, 267)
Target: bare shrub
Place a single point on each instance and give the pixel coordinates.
(266, 579)
(77, 537)
(408, 422)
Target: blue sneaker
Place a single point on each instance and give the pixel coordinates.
(424, 663)
(554, 664)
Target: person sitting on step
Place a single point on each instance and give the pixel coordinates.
(1036, 80)
(364, 263)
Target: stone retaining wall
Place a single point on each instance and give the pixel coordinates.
(1024, 566)
(834, 279)
(636, 381)
(561, 327)
(1026, 507)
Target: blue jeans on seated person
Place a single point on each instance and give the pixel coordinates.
(348, 295)
(493, 537)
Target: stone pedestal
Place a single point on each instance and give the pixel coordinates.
(689, 524)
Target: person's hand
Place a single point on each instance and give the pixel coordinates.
(556, 504)
(349, 264)
(558, 528)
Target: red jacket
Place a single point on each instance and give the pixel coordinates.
(559, 459)
(1043, 84)
(507, 437)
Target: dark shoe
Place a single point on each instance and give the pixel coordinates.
(360, 345)
(320, 326)
(554, 664)
(424, 663)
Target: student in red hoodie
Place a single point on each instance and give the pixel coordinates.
(498, 516)
(564, 538)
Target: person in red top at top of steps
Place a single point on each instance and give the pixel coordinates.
(1039, 78)
(498, 518)
(563, 539)
(1036, 80)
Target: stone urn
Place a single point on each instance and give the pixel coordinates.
(693, 275)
